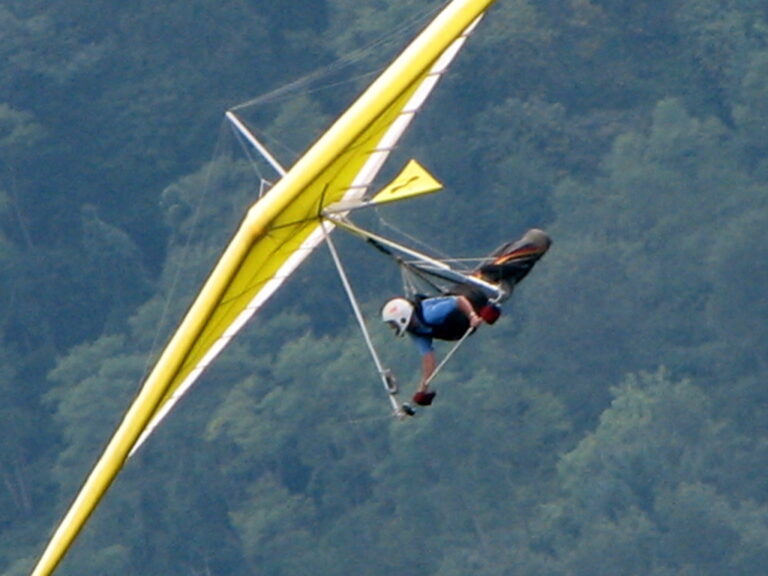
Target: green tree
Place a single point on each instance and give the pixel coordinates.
(750, 110)
(653, 478)
(717, 38)
(626, 284)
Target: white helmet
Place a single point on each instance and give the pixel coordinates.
(397, 313)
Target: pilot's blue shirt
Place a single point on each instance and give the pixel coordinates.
(434, 311)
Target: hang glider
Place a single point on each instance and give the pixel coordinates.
(276, 235)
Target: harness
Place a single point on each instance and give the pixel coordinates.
(452, 327)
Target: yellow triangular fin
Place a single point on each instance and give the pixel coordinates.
(414, 180)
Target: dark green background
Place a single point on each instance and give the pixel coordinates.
(612, 422)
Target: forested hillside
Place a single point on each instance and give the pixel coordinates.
(614, 421)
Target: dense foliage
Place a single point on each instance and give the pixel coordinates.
(614, 420)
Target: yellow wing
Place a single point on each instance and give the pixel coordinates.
(276, 235)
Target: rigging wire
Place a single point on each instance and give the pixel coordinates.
(302, 83)
(185, 250)
(316, 81)
(468, 264)
(414, 240)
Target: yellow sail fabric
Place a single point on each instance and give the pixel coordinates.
(276, 235)
(414, 180)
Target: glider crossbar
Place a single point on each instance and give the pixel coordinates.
(387, 378)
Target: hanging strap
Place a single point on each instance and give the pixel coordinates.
(408, 272)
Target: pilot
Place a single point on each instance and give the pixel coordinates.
(441, 317)
(453, 316)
